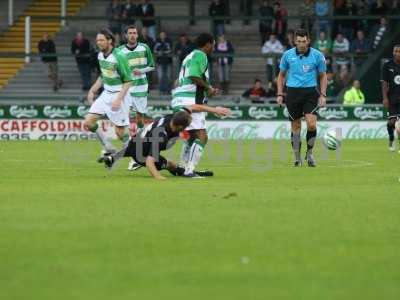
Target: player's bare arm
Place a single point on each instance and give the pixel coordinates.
(280, 82)
(116, 104)
(385, 91)
(219, 110)
(202, 83)
(93, 90)
(151, 167)
(323, 83)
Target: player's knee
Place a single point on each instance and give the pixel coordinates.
(312, 126)
(90, 124)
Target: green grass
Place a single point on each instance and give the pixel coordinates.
(259, 229)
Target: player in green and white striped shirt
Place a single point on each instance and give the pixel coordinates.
(192, 90)
(140, 61)
(116, 79)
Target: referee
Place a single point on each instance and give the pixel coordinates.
(391, 93)
(301, 67)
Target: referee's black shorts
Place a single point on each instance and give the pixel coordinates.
(394, 107)
(301, 101)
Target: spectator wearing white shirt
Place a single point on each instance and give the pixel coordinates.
(272, 46)
(341, 49)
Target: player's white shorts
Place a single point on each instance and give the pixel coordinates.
(198, 121)
(102, 106)
(138, 104)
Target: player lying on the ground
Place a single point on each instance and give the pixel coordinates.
(145, 149)
(116, 80)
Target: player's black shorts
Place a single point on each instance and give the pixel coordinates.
(140, 158)
(301, 101)
(394, 107)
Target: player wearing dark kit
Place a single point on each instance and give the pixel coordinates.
(300, 68)
(145, 149)
(391, 93)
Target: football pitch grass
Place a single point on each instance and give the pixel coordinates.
(259, 229)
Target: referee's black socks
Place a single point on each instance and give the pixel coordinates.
(390, 130)
(311, 137)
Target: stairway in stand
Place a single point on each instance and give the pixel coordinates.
(12, 40)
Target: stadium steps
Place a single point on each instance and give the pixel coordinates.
(12, 40)
(245, 39)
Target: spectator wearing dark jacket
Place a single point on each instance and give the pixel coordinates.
(163, 50)
(47, 49)
(217, 11)
(224, 47)
(113, 14)
(80, 48)
(183, 48)
(146, 10)
(360, 47)
(265, 26)
(128, 13)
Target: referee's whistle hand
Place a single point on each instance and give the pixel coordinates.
(322, 101)
(279, 100)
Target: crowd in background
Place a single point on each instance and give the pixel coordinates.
(345, 43)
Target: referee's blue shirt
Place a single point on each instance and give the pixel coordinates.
(302, 69)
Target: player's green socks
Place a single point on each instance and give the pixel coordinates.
(311, 137)
(196, 150)
(296, 145)
(103, 140)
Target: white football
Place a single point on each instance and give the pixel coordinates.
(332, 139)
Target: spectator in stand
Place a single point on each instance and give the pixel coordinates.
(217, 11)
(306, 11)
(344, 77)
(395, 8)
(163, 50)
(265, 26)
(379, 8)
(346, 27)
(378, 32)
(280, 14)
(256, 92)
(146, 10)
(360, 47)
(81, 49)
(362, 10)
(146, 39)
(128, 13)
(354, 95)
(289, 40)
(183, 48)
(113, 13)
(47, 49)
(322, 11)
(341, 50)
(246, 7)
(223, 47)
(272, 47)
(323, 44)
